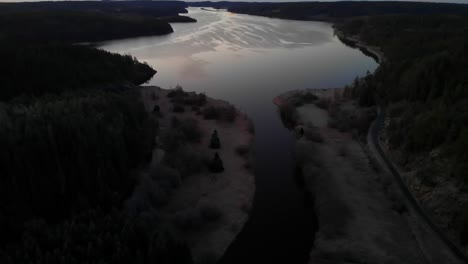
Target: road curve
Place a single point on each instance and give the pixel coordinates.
(373, 138)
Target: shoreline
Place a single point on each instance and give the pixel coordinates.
(363, 216)
(230, 192)
(355, 42)
(354, 199)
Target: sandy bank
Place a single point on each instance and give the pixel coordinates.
(361, 215)
(231, 191)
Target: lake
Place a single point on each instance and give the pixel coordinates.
(248, 60)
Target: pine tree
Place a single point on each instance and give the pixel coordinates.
(216, 164)
(214, 142)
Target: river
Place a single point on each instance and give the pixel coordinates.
(248, 60)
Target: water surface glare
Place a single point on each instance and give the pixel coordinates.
(248, 60)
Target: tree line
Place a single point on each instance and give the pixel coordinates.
(73, 135)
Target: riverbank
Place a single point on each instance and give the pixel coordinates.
(210, 208)
(354, 42)
(361, 218)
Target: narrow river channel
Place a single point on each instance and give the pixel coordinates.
(248, 60)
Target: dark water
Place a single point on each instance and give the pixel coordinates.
(248, 61)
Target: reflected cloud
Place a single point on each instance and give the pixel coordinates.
(218, 30)
(193, 69)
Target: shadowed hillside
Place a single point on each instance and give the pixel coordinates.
(334, 10)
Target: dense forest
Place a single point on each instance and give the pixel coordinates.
(74, 135)
(34, 70)
(87, 21)
(424, 87)
(76, 26)
(332, 11)
(426, 77)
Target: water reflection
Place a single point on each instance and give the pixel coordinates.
(249, 60)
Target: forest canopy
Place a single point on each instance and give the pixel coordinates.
(73, 134)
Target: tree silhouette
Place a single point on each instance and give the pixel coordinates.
(214, 142)
(216, 164)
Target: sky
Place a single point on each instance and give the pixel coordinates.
(440, 1)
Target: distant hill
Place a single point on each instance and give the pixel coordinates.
(334, 10)
(87, 21)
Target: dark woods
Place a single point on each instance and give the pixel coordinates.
(424, 80)
(73, 132)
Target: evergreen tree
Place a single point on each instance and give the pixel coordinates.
(216, 164)
(214, 142)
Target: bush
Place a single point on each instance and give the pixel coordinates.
(191, 130)
(313, 134)
(172, 139)
(210, 212)
(178, 108)
(214, 142)
(228, 113)
(195, 100)
(343, 150)
(210, 113)
(185, 160)
(177, 92)
(188, 220)
(288, 114)
(323, 103)
(167, 177)
(209, 258)
(156, 109)
(154, 97)
(243, 150)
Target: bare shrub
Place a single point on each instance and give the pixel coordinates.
(210, 212)
(191, 129)
(196, 109)
(195, 99)
(177, 92)
(396, 204)
(397, 109)
(303, 98)
(343, 150)
(210, 113)
(225, 113)
(188, 220)
(242, 150)
(167, 177)
(208, 257)
(172, 139)
(245, 207)
(374, 163)
(148, 194)
(229, 113)
(288, 114)
(248, 166)
(178, 108)
(322, 103)
(186, 160)
(154, 97)
(339, 119)
(362, 121)
(305, 152)
(313, 134)
(188, 128)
